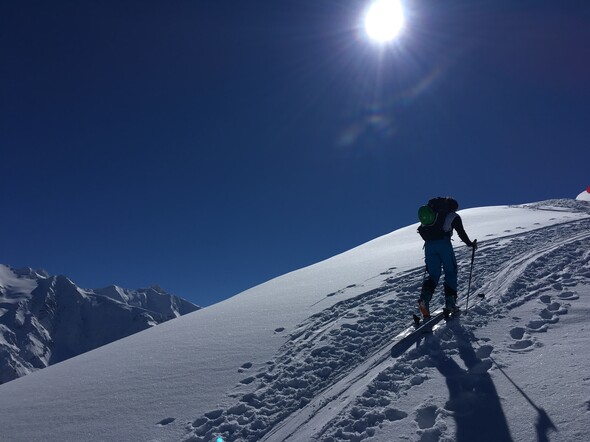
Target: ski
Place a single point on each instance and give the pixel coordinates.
(412, 334)
(405, 339)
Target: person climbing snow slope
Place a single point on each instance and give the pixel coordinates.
(438, 220)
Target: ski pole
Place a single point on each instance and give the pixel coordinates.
(470, 273)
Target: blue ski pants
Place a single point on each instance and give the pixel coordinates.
(439, 257)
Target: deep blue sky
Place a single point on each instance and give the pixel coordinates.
(208, 146)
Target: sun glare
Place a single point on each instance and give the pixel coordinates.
(384, 20)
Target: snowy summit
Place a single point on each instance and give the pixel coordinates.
(308, 356)
(585, 195)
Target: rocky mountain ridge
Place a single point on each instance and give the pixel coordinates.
(47, 319)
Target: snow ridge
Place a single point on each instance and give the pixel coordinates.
(48, 319)
(333, 379)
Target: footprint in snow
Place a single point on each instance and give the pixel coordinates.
(557, 308)
(392, 414)
(426, 416)
(166, 421)
(517, 333)
(279, 330)
(537, 326)
(215, 414)
(484, 351)
(548, 316)
(244, 367)
(545, 299)
(568, 296)
(522, 345)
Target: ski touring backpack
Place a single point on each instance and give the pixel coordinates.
(433, 216)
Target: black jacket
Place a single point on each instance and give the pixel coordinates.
(457, 224)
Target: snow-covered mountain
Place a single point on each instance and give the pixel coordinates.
(47, 319)
(585, 195)
(307, 356)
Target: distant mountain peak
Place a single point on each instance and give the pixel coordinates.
(46, 319)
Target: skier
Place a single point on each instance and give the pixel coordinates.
(439, 219)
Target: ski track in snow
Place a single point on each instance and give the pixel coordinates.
(334, 379)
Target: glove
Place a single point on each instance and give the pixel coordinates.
(474, 244)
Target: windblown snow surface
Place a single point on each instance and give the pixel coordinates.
(307, 356)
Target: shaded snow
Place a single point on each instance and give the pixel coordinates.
(306, 356)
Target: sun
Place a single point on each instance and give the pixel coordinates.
(384, 20)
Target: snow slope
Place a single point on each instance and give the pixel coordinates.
(47, 319)
(307, 356)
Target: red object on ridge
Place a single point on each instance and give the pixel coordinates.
(588, 189)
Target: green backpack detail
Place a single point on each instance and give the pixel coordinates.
(426, 215)
(432, 218)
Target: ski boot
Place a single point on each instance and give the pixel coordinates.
(424, 310)
(450, 309)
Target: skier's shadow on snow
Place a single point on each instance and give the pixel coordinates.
(473, 399)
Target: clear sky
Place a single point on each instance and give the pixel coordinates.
(208, 146)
